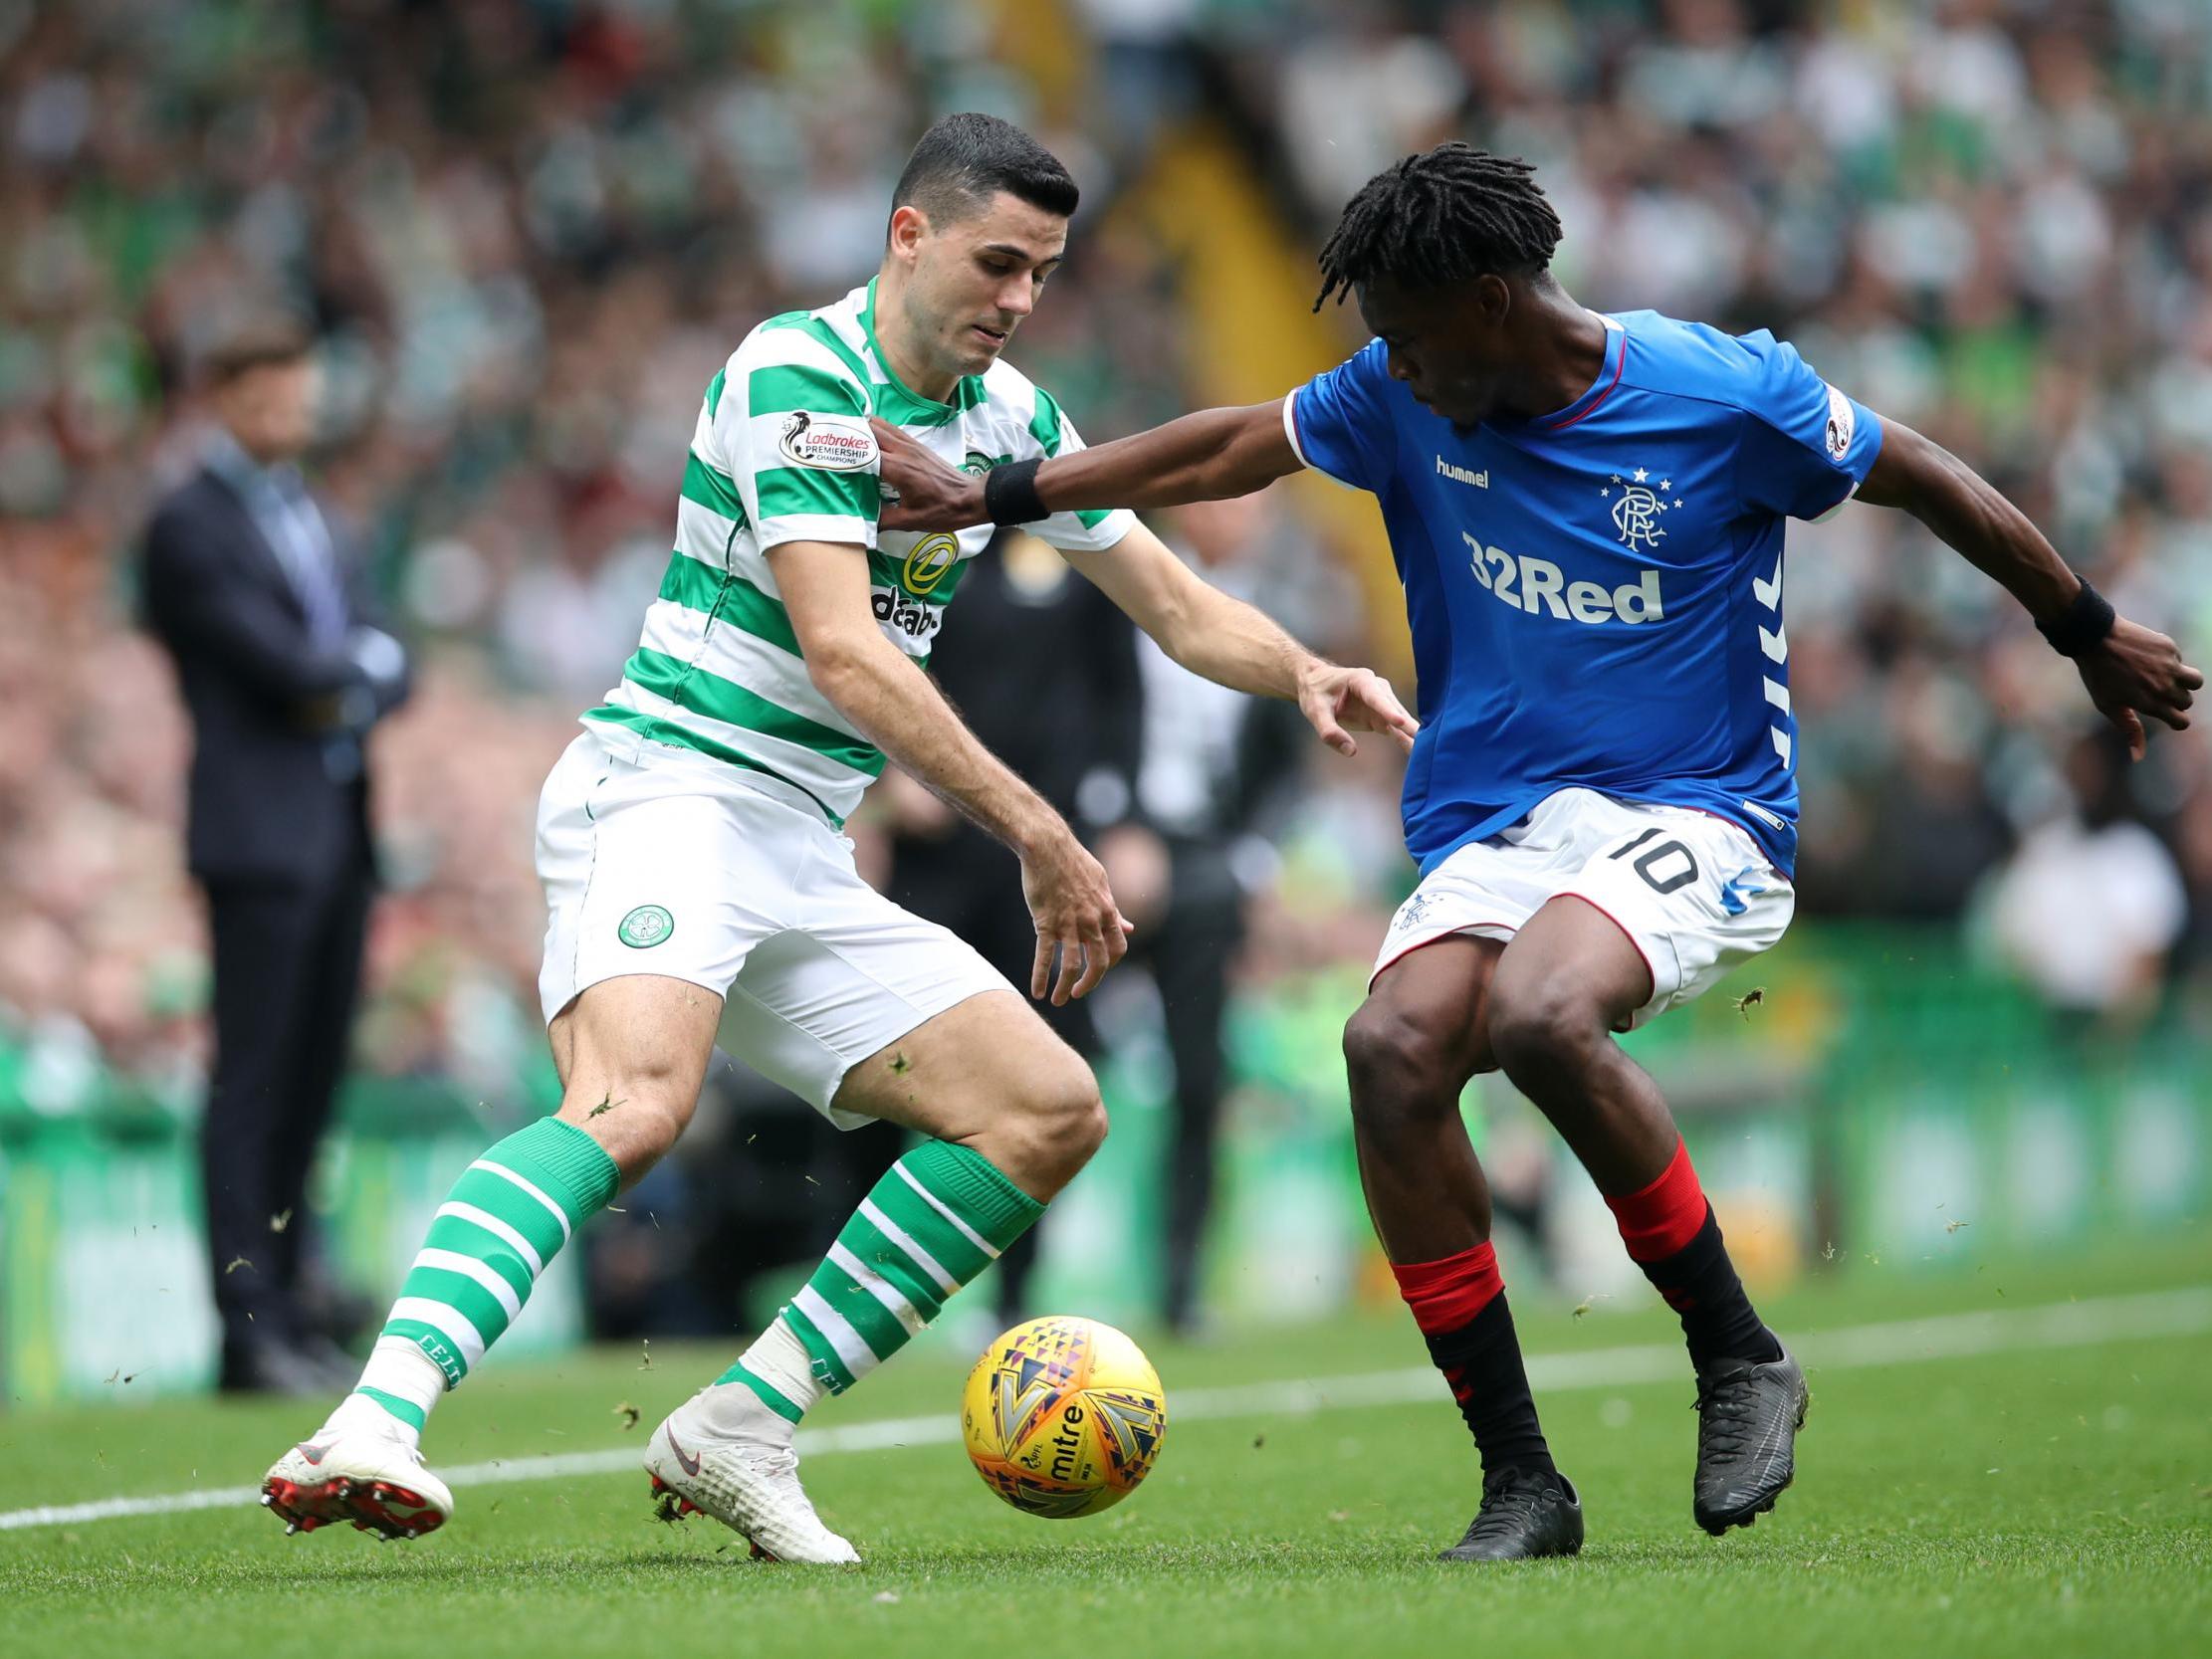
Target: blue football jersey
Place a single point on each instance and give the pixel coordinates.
(1596, 596)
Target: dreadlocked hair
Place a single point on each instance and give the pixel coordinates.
(1443, 217)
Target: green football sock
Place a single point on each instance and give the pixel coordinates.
(507, 1216)
(937, 1218)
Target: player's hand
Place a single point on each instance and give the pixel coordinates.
(920, 491)
(1075, 914)
(1339, 700)
(2137, 671)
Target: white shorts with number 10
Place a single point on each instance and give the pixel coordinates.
(1697, 896)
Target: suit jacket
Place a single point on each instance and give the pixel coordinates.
(268, 707)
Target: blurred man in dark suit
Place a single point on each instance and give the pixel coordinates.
(1211, 763)
(247, 585)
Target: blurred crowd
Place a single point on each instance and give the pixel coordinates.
(527, 231)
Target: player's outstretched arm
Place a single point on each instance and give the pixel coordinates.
(899, 708)
(2130, 671)
(1207, 457)
(1238, 645)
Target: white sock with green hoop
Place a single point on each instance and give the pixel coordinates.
(507, 1216)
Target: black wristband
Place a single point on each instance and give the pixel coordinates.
(1010, 494)
(2083, 624)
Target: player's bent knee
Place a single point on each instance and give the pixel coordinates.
(1068, 1120)
(632, 1124)
(1053, 1126)
(635, 1102)
(1544, 1023)
(1401, 1070)
(1085, 1129)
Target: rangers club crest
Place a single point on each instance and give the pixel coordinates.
(1637, 507)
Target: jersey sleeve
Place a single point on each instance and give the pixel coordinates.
(1805, 446)
(1075, 532)
(791, 430)
(1340, 421)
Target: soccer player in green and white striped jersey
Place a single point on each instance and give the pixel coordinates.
(781, 453)
(697, 879)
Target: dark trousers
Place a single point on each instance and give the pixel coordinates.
(1190, 957)
(288, 965)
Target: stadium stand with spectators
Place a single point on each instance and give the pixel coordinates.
(525, 236)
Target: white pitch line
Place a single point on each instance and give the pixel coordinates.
(2111, 1318)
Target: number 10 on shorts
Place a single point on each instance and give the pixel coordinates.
(1665, 868)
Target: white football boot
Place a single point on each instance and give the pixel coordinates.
(734, 1461)
(355, 1472)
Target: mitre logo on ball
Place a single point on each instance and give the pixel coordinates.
(1064, 1417)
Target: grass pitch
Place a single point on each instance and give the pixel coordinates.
(2038, 1500)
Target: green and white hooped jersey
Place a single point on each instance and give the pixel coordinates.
(783, 453)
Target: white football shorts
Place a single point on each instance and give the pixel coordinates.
(1695, 895)
(682, 865)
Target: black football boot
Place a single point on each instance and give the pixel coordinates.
(1748, 1415)
(1525, 1513)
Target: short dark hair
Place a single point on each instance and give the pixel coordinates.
(964, 160)
(260, 344)
(1448, 216)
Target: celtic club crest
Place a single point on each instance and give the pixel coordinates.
(646, 926)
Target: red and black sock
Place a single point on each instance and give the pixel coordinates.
(1459, 1305)
(1672, 1236)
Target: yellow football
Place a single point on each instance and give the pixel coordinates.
(1063, 1417)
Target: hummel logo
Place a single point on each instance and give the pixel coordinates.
(1460, 475)
(688, 1460)
(1769, 592)
(1735, 895)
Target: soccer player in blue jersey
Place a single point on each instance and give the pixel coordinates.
(1587, 513)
